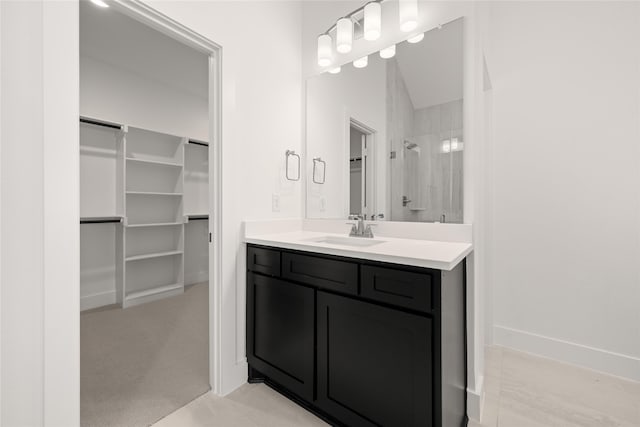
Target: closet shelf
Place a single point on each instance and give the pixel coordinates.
(196, 142)
(100, 219)
(152, 193)
(196, 217)
(158, 224)
(154, 291)
(152, 255)
(154, 162)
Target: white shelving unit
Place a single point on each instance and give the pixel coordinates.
(147, 185)
(101, 211)
(196, 202)
(153, 233)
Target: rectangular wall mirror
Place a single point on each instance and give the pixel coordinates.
(391, 134)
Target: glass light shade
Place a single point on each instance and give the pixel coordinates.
(416, 38)
(372, 21)
(99, 3)
(362, 62)
(408, 15)
(446, 146)
(388, 52)
(334, 70)
(324, 50)
(344, 35)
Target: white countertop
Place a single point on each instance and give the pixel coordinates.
(420, 253)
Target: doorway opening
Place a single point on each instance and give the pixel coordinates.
(150, 194)
(361, 170)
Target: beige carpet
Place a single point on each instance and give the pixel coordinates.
(142, 363)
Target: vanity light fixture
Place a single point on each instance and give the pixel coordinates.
(372, 21)
(369, 20)
(334, 70)
(361, 62)
(344, 35)
(408, 15)
(324, 50)
(388, 52)
(100, 3)
(416, 39)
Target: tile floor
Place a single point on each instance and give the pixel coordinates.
(528, 391)
(521, 391)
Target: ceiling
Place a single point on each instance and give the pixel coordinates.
(120, 41)
(432, 69)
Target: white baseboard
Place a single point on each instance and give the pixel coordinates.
(617, 364)
(475, 400)
(234, 376)
(88, 302)
(194, 278)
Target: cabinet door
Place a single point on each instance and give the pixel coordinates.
(280, 332)
(374, 364)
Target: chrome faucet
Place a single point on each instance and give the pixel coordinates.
(360, 229)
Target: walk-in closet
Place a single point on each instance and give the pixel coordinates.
(144, 226)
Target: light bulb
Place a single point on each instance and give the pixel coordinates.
(416, 38)
(324, 50)
(388, 52)
(334, 70)
(408, 15)
(362, 62)
(372, 21)
(454, 144)
(344, 35)
(99, 3)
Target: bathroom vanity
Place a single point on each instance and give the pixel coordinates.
(357, 340)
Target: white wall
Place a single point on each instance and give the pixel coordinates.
(39, 193)
(1, 118)
(261, 119)
(131, 73)
(196, 252)
(566, 211)
(114, 94)
(332, 100)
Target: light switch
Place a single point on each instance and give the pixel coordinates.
(323, 204)
(275, 202)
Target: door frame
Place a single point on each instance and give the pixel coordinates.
(146, 15)
(368, 164)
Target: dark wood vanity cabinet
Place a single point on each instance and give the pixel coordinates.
(359, 343)
(374, 363)
(281, 337)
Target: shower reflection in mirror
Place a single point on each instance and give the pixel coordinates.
(412, 169)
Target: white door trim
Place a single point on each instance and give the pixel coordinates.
(149, 16)
(369, 191)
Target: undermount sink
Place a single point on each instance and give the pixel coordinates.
(346, 241)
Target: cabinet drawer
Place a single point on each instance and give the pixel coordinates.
(397, 287)
(341, 276)
(265, 261)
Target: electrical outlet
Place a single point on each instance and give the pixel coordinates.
(275, 202)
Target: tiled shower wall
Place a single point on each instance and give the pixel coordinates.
(435, 185)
